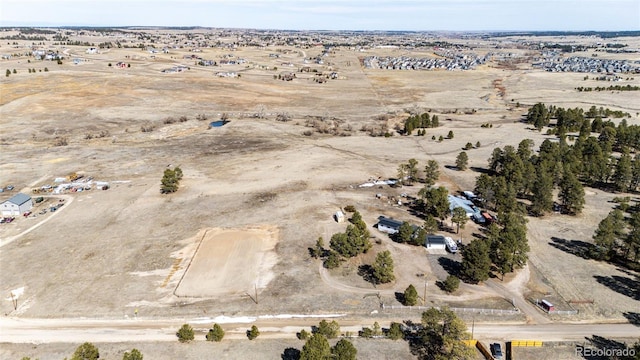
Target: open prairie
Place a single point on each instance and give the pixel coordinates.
(267, 188)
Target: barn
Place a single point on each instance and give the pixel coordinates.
(16, 205)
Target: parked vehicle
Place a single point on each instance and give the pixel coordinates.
(27, 213)
(496, 350)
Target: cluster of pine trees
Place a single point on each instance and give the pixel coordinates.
(609, 88)
(618, 234)
(573, 120)
(421, 121)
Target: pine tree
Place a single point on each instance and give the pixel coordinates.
(431, 173)
(571, 193)
(253, 333)
(542, 201)
(410, 296)
(383, 268)
(215, 333)
(475, 261)
(316, 348)
(623, 174)
(462, 160)
(405, 232)
(459, 217)
(344, 350)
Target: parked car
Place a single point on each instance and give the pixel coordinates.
(496, 350)
(27, 213)
(9, 187)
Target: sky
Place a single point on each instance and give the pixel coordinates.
(411, 15)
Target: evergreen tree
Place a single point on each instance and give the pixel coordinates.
(135, 354)
(510, 252)
(410, 296)
(542, 199)
(86, 351)
(476, 263)
(316, 348)
(623, 174)
(344, 350)
(253, 333)
(330, 330)
(635, 173)
(185, 333)
(609, 231)
(462, 160)
(405, 232)
(395, 331)
(571, 193)
(459, 217)
(412, 170)
(430, 224)
(431, 173)
(215, 333)
(435, 201)
(441, 336)
(451, 284)
(383, 268)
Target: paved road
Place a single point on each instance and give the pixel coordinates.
(17, 330)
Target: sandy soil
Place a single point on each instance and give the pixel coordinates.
(230, 262)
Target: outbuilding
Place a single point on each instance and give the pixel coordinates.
(435, 242)
(16, 205)
(388, 225)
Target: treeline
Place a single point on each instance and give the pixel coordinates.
(24, 37)
(609, 88)
(421, 122)
(584, 122)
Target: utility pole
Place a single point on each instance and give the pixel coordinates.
(424, 298)
(255, 287)
(473, 325)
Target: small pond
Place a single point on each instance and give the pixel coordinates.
(218, 123)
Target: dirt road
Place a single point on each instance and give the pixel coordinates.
(14, 330)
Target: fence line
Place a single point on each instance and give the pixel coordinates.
(563, 312)
(515, 311)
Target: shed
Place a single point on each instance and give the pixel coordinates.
(16, 205)
(339, 216)
(436, 242)
(388, 225)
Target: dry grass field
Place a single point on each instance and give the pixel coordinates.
(256, 192)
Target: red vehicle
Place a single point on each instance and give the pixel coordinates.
(27, 213)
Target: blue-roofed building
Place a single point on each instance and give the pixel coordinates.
(467, 205)
(16, 205)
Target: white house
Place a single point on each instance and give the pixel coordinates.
(17, 205)
(92, 50)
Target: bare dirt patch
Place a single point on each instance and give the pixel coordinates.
(230, 262)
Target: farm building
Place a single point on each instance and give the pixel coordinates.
(388, 225)
(339, 216)
(436, 242)
(17, 205)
